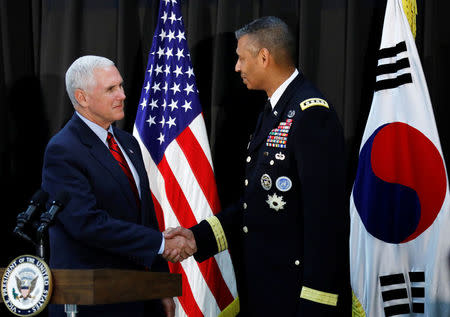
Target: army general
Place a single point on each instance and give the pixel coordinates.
(288, 234)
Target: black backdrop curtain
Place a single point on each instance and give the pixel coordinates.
(336, 40)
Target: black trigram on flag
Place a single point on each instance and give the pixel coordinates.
(417, 280)
(391, 71)
(401, 296)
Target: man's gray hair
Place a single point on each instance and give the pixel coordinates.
(272, 33)
(80, 75)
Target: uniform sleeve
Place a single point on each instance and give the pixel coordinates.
(216, 233)
(319, 152)
(83, 221)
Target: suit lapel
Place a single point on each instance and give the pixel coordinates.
(267, 124)
(102, 154)
(131, 152)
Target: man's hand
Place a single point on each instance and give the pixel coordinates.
(179, 244)
(168, 306)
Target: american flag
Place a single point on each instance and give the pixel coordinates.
(171, 131)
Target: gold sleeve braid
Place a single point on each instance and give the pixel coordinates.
(357, 309)
(319, 296)
(231, 310)
(219, 234)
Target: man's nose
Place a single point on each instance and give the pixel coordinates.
(121, 94)
(237, 67)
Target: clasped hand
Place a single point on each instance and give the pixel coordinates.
(179, 244)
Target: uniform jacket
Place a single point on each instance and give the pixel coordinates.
(101, 226)
(287, 235)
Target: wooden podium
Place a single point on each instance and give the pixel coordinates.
(93, 287)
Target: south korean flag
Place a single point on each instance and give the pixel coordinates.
(400, 207)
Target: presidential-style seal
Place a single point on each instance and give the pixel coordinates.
(27, 285)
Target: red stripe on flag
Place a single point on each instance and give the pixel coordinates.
(200, 167)
(180, 206)
(214, 279)
(159, 214)
(175, 196)
(187, 299)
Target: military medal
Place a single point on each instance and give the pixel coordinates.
(278, 137)
(266, 182)
(275, 202)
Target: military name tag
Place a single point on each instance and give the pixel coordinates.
(27, 285)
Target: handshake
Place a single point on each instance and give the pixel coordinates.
(179, 244)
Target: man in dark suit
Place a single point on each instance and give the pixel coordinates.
(109, 221)
(288, 234)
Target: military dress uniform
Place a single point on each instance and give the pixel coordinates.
(287, 235)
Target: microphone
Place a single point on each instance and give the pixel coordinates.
(37, 201)
(60, 201)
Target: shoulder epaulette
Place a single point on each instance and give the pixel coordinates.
(311, 102)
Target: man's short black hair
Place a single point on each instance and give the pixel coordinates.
(272, 33)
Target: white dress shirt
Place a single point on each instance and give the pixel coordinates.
(103, 136)
(280, 90)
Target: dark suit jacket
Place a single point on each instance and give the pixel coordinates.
(101, 226)
(290, 229)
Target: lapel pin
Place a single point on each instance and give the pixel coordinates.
(283, 183)
(291, 113)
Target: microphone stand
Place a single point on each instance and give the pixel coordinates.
(22, 220)
(18, 232)
(40, 247)
(37, 202)
(46, 219)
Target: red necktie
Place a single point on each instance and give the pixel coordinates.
(118, 155)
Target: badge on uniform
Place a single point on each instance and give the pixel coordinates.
(283, 183)
(313, 102)
(275, 202)
(280, 156)
(266, 182)
(278, 137)
(291, 113)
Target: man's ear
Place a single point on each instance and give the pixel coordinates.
(80, 96)
(264, 55)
